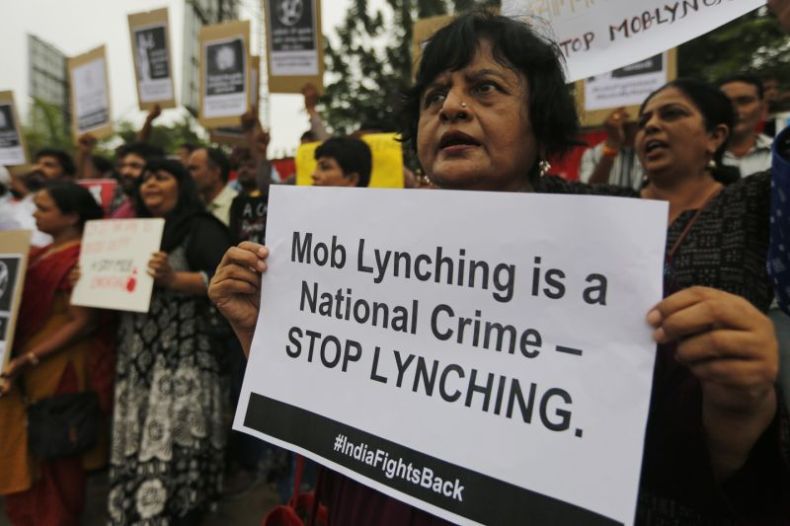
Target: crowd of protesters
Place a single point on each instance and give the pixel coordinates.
(488, 108)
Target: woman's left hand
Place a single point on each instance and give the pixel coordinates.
(727, 343)
(14, 368)
(159, 268)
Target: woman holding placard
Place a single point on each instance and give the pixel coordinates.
(168, 434)
(489, 104)
(54, 357)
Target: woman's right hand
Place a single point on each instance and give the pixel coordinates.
(236, 288)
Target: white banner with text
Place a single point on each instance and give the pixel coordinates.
(483, 356)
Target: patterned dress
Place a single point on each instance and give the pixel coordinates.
(168, 433)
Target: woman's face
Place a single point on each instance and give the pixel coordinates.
(49, 218)
(474, 130)
(672, 138)
(159, 192)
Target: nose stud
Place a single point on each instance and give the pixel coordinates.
(463, 105)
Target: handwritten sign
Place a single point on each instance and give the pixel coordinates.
(597, 36)
(114, 263)
(387, 169)
(13, 263)
(481, 376)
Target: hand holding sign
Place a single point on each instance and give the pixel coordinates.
(159, 268)
(236, 288)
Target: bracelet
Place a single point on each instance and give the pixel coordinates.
(609, 152)
(32, 359)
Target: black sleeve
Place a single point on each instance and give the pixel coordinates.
(208, 241)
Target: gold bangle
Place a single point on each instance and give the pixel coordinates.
(32, 359)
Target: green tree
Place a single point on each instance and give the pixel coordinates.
(753, 42)
(167, 137)
(47, 128)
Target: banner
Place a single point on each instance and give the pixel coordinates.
(624, 87)
(90, 94)
(12, 141)
(103, 190)
(13, 263)
(387, 152)
(114, 263)
(294, 45)
(224, 73)
(597, 36)
(482, 373)
(153, 68)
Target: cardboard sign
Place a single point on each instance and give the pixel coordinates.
(153, 65)
(294, 45)
(624, 87)
(387, 152)
(114, 263)
(90, 94)
(597, 37)
(483, 378)
(12, 141)
(224, 73)
(103, 190)
(422, 31)
(13, 263)
(255, 85)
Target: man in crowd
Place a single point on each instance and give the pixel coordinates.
(748, 150)
(210, 169)
(53, 164)
(131, 161)
(614, 160)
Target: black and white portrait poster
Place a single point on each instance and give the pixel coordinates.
(294, 37)
(14, 246)
(12, 152)
(226, 78)
(90, 93)
(153, 65)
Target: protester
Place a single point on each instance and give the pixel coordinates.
(614, 160)
(53, 164)
(132, 158)
(184, 151)
(749, 150)
(317, 131)
(210, 169)
(169, 431)
(53, 355)
(488, 103)
(342, 161)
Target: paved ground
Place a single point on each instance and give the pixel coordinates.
(244, 510)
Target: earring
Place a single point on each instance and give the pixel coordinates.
(711, 165)
(543, 167)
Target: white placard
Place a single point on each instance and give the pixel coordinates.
(153, 63)
(226, 78)
(626, 86)
(538, 300)
(597, 36)
(92, 102)
(114, 263)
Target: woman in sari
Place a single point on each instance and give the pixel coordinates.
(52, 355)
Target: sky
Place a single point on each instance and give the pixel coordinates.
(76, 26)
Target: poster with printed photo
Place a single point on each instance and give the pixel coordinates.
(294, 43)
(90, 94)
(12, 148)
(224, 82)
(151, 54)
(13, 262)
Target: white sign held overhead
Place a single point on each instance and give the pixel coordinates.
(597, 36)
(114, 263)
(468, 374)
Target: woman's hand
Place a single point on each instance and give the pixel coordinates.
(159, 268)
(236, 288)
(731, 347)
(14, 368)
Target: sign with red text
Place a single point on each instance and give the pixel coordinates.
(481, 373)
(114, 263)
(597, 36)
(103, 190)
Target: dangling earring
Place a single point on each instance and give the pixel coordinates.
(543, 167)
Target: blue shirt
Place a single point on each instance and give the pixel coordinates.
(779, 248)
